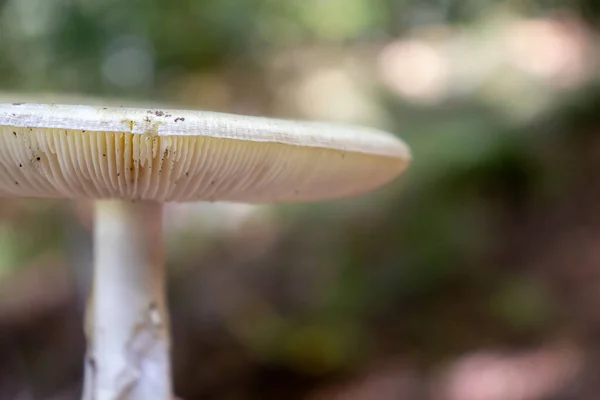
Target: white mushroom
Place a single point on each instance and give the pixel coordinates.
(131, 161)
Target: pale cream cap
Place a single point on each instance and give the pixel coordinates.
(76, 152)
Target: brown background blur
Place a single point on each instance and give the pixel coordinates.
(475, 277)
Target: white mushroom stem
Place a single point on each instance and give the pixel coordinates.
(127, 323)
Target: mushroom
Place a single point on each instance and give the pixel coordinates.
(131, 161)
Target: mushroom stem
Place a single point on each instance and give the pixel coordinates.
(127, 322)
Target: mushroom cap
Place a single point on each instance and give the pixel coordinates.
(77, 152)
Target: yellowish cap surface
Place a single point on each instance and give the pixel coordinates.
(72, 151)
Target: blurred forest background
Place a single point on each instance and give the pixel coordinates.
(475, 277)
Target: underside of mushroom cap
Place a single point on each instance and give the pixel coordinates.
(67, 151)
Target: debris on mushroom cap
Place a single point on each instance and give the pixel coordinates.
(69, 151)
